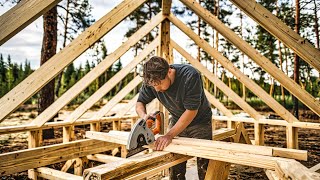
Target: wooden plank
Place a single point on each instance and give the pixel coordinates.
(96, 72)
(118, 97)
(41, 156)
(315, 168)
(104, 158)
(244, 148)
(109, 137)
(166, 6)
(34, 82)
(49, 173)
(111, 83)
(292, 169)
(272, 175)
(249, 83)
(130, 104)
(216, 103)
(121, 169)
(222, 133)
(221, 85)
(67, 165)
(253, 54)
(22, 128)
(21, 15)
(154, 169)
(280, 30)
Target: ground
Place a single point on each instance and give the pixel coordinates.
(274, 136)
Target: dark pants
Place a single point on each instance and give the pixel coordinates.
(198, 131)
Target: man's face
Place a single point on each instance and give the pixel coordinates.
(163, 85)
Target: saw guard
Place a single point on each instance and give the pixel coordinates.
(139, 128)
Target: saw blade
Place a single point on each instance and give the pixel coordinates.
(135, 151)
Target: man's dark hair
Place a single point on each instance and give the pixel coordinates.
(155, 70)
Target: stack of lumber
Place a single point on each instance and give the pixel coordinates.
(182, 149)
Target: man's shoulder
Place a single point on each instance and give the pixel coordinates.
(185, 69)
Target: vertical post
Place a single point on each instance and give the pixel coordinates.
(258, 134)
(66, 134)
(96, 126)
(292, 137)
(166, 51)
(33, 141)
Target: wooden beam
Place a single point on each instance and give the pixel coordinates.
(253, 54)
(157, 168)
(217, 170)
(315, 168)
(118, 97)
(96, 72)
(249, 83)
(221, 85)
(41, 156)
(165, 40)
(34, 82)
(77, 113)
(122, 169)
(23, 128)
(292, 137)
(216, 103)
(274, 122)
(222, 133)
(280, 30)
(49, 173)
(292, 169)
(33, 141)
(258, 134)
(166, 6)
(21, 15)
(130, 104)
(109, 137)
(272, 175)
(104, 158)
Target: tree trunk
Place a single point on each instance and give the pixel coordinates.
(199, 33)
(296, 60)
(63, 45)
(242, 55)
(316, 25)
(216, 37)
(280, 63)
(49, 46)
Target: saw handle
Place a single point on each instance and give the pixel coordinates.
(157, 118)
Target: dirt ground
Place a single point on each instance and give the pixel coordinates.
(274, 136)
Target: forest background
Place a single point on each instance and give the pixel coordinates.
(74, 16)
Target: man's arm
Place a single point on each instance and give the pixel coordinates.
(141, 109)
(185, 119)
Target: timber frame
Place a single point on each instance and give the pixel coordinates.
(76, 153)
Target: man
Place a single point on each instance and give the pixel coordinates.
(179, 88)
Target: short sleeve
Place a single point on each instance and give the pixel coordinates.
(146, 95)
(192, 100)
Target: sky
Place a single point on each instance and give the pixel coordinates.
(27, 43)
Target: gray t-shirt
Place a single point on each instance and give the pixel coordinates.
(186, 92)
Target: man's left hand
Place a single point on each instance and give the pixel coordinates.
(162, 142)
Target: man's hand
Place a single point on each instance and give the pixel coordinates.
(162, 142)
